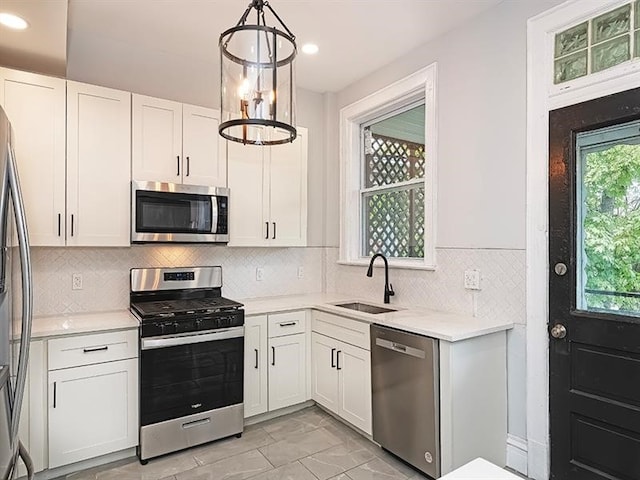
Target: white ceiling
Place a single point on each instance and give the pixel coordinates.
(41, 47)
(355, 37)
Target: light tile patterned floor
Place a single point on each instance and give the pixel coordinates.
(306, 445)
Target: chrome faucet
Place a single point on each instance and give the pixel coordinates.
(388, 288)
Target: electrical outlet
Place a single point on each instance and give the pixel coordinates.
(472, 279)
(76, 281)
(259, 274)
(300, 272)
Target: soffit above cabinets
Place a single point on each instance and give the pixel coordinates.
(356, 37)
(43, 46)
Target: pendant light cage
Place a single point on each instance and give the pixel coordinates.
(257, 80)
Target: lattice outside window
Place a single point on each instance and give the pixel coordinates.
(392, 192)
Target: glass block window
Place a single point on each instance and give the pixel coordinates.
(392, 191)
(597, 44)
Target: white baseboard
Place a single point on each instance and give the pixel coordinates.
(517, 457)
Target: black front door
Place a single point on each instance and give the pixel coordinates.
(594, 289)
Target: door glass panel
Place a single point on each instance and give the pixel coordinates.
(608, 202)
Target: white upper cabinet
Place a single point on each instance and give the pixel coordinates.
(157, 139)
(176, 143)
(268, 193)
(203, 148)
(98, 165)
(35, 105)
(288, 192)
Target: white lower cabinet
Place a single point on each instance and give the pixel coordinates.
(340, 372)
(287, 371)
(275, 362)
(255, 366)
(93, 407)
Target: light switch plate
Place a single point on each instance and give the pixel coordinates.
(259, 274)
(76, 281)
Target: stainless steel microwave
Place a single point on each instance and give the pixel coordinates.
(174, 213)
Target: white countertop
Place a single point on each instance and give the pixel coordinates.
(444, 326)
(73, 323)
(480, 469)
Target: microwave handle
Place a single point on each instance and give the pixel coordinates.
(214, 214)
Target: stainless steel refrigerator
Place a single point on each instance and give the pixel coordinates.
(15, 306)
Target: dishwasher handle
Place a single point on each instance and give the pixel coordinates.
(400, 348)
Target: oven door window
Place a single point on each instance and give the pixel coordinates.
(186, 379)
(162, 212)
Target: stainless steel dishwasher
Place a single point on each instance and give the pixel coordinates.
(405, 392)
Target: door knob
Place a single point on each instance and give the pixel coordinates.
(558, 331)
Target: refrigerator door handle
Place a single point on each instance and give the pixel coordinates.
(27, 292)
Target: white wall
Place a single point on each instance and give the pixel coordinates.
(480, 178)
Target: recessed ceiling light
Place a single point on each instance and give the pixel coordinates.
(310, 48)
(13, 21)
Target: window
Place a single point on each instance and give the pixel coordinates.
(600, 43)
(393, 185)
(388, 159)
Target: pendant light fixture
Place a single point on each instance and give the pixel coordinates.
(257, 89)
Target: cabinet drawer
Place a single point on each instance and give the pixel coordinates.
(281, 324)
(344, 329)
(89, 349)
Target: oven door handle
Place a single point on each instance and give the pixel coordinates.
(211, 336)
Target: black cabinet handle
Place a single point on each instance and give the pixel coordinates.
(274, 230)
(72, 224)
(256, 350)
(267, 236)
(338, 360)
(96, 349)
(178, 163)
(55, 388)
(59, 224)
(188, 166)
(333, 362)
(273, 356)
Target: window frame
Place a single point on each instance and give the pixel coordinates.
(418, 86)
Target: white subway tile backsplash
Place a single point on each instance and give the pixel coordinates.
(502, 293)
(105, 272)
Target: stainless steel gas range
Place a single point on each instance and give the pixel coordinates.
(191, 358)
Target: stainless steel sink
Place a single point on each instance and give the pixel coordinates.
(365, 307)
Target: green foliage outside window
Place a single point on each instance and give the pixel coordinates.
(611, 227)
